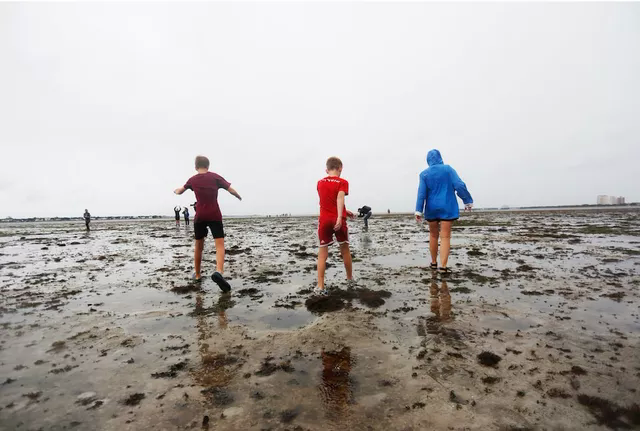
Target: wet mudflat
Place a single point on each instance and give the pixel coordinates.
(537, 327)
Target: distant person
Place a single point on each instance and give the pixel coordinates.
(177, 211)
(439, 184)
(87, 218)
(205, 185)
(185, 213)
(365, 212)
(389, 211)
(333, 219)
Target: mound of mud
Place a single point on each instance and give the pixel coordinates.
(338, 299)
(324, 304)
(372, 298)
(191, 287)
(489, 359)
(610, 414)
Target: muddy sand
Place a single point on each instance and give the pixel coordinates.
(537, 328)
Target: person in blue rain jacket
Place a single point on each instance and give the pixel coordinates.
(437, 202)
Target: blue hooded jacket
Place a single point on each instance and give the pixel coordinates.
(438, 185)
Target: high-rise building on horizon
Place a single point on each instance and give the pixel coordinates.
(610, 200)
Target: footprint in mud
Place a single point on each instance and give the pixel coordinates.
(268, 367)
(171, 372)
(133, 399)
(218, 396)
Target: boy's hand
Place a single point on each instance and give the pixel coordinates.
(418, 217)
(350, 214)
(234, 193)
(338, 225)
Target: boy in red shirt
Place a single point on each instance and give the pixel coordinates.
(333, 219)
(205, 185)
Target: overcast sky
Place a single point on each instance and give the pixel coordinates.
(105, 106)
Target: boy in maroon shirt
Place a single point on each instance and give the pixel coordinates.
(205, 185)
(333, 219)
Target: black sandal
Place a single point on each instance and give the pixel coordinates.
(221, 282)
(433, 266)
(444, 270)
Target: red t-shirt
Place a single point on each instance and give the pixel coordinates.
(206, 186)
(328, 189)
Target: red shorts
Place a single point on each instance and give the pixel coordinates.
(326, 232)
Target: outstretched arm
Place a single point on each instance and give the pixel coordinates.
(179, 190)
(422, 198)
(234, 193)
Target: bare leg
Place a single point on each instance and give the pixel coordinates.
(197, 256)
(220, 255)
(445, 236)
(323, 253)
(434, 233)
(346, 258)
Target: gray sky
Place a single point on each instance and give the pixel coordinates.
(104, 106)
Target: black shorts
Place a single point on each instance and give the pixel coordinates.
(200, 229)
(442, 219)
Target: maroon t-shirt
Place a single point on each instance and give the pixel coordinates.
(206, 186)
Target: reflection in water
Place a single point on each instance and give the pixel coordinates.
(224, 302)
(215, 370)
(441, 313)
(366, 240)
(440, 301)
(336, 390)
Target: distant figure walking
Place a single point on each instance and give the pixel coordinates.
(185, 213)
(87, 218)
(365, 212)
(177, 211)
(437, 202)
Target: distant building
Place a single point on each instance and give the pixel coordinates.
(610, 200)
